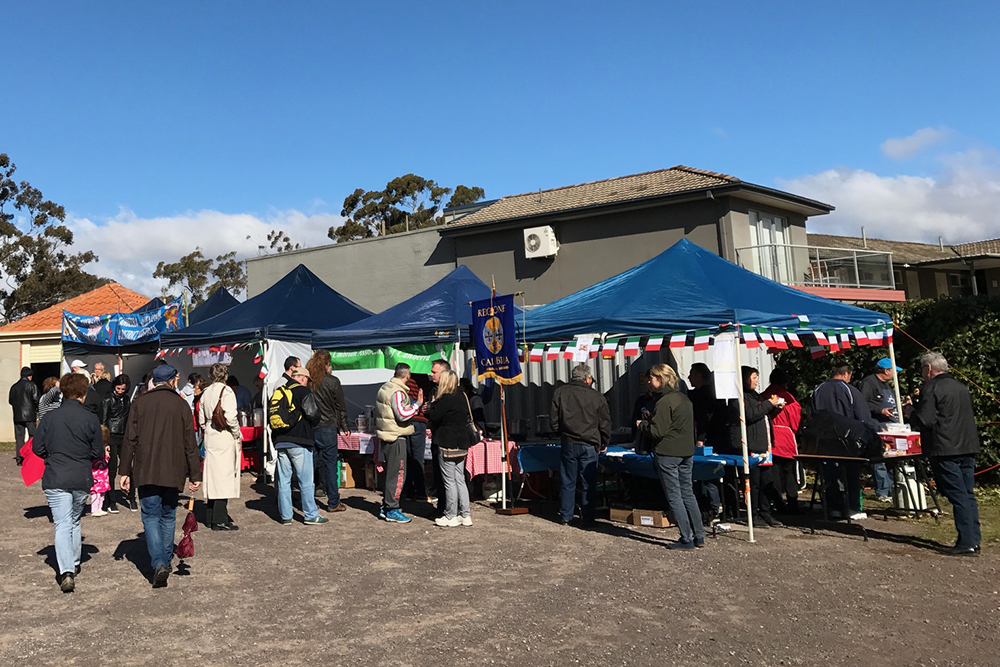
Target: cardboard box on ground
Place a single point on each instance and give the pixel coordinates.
(356, 471)
(640, 517)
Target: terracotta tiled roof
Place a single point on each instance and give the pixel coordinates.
(610, 191)
(989, 247)
(903, 252)
(110, 298)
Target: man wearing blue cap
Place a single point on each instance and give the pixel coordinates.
(882, 403)
(158, 454)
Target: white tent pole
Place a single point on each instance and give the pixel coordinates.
(743, 434)
(895, 383)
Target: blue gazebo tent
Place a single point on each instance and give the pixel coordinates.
(290, 310)
(683, 288)
(439, 313)
(219, 302)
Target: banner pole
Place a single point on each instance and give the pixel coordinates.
(743, 434)
(895, 383)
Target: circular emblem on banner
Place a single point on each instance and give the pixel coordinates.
(493, 335)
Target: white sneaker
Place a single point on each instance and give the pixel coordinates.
(98, 513)
(466, 520)
(858, 516)
(448, 523)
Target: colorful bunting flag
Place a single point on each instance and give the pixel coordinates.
(537, 352)
(654, 343)
(552, 353)
(701, 340)
(845, 340)
(632, 347)
(820, 337)
(779, 339)
(766, 337)
(834, 341)
(794, 338)
(678, 339)
(569, 350)
(608, 349)
(803, 320)
(876, 339)
(817, 351)
(749, 337)
(888, 335)
(860, 335)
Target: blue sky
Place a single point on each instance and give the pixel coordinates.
(143, 118)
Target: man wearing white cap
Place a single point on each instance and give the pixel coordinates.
(93, 400)
(882, 403)
(78, 366)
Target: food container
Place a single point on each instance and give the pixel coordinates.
(362, 424)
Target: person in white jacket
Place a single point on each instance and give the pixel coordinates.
(221, 472)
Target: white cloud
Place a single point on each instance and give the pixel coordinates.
(960, 203)
(129, 247)
(906, 147)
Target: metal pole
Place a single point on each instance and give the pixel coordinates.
(503, 448)
(895, 383)
(743, 434)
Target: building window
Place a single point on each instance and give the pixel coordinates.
(769, 236)
(960, 280)
(897, 278)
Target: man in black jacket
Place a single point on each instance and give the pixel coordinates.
(293, 414)
(583, 420)
(948, 435)
(23, 399)
(882, 404)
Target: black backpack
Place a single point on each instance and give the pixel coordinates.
(825, 433)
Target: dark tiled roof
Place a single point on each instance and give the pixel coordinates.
(610, 191)
(110, 298)
(988, 247)
(903, 252)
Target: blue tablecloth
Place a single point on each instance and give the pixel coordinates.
(533, 458)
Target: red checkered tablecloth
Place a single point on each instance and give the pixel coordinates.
(486, 458)
(356, 442)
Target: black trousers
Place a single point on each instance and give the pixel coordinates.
(787, 481)
(217, 511)
(19, 430)
(115, 445)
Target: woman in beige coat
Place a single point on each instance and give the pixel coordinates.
(222, 449)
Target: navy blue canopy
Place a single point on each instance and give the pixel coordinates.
(220, 301)
(688, 288)
(439, 313)
(291, 309)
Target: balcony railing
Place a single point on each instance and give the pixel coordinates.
(814, 266)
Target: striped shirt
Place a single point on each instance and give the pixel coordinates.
(50, 401)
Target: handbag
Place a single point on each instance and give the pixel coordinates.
(219, 420)
(475, 437)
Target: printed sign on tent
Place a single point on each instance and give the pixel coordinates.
(727, 375)
(495, 336)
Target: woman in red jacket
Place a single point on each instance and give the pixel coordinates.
(786, 425)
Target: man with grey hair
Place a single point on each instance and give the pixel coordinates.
(583, 420)
(944, 416)
(394, 413)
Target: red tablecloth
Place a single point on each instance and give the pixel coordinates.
(486, 458)
(251, 433)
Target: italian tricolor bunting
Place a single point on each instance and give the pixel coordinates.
(793, 338)
(817, 351)
(537, 352)
(779, 339)
(876, 337)
(654, 343)
(888, 335)
(803, 320)
(749, 337)
(608, 349)
(569, 350)
(821, 338)
(845, 340)
(766, 337)
(632, 347)
(552, 353)
(678, 339)
(701, 338)
(834, 341)
(860, 335)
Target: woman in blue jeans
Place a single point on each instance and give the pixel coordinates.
(69, 439)
(449, 416)
(671, 431)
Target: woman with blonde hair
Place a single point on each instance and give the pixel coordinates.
(449, 417)
(222, 449)
(671, 430)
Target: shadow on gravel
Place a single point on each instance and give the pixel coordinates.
(37, 512)
(358, 503)
(50, 555)
(134, 551)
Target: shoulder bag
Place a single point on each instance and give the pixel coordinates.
(219, 420)
(475, 437)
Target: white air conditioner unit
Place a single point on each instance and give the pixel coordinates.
(540, 242)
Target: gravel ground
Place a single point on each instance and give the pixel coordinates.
(518, 590)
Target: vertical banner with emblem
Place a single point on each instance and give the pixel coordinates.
(495, 336)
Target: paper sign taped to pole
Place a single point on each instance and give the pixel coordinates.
(726, 374)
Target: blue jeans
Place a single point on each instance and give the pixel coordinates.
(67, 508)
(954, 478)
(326, 445)
(675, 477)
(159, 519)
(301, 458)
(883, 480)
(577, 462)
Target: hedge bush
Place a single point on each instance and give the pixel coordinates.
(966, 330)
